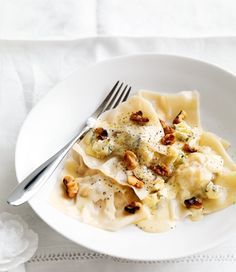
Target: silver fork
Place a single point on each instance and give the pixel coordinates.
(32, 183)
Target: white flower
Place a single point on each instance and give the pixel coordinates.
(18, 243)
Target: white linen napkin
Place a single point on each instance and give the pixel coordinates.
(27, 72)
(49, 19)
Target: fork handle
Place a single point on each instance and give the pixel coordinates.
(32, 183)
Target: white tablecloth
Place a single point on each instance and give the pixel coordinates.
(49, 19)
(28, 69)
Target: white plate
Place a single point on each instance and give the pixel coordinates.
(60, 113)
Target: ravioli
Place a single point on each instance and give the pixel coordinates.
(168, 106)
(147, 162)
(143, 139)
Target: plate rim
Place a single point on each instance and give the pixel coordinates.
(213, 244)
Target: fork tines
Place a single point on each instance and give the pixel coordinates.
(117, 95)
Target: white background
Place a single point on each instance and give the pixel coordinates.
(37, 19)
(43, 41)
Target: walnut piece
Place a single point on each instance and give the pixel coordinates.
(167, 129)
(194, 202)
(180, 117)
(131, 160)
(168, 139)
(71, 186)
(101, 133)
(189, 149)
(138, 118)
(161, 170)
(133, 181)
(133, 207)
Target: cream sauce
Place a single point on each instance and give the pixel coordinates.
(208, 174)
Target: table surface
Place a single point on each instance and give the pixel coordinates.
(68, 19)
(47, 40)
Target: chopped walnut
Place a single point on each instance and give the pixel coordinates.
(160, 170)
(101, 133)
(167, 129)
(133, 207)
(133, 181)
(138, 118)
(131, 160)
(84, 192)
(194, 202)
(180, 117)
(168, 139)
(71, 186)
(189, 149)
